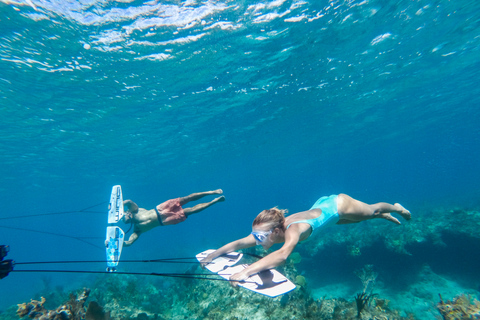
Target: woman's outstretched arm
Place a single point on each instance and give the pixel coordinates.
(247, 242)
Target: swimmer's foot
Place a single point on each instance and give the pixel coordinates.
(219, 199)
(403, 212)
(387, 216)
(218, 191)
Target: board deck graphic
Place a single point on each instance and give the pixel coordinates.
(220, 263)
(115, 208)
(115, 237)
(268, 282)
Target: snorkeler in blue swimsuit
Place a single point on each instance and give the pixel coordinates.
(271, 226)
(329, 216)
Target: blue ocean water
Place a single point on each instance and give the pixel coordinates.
(277, 103)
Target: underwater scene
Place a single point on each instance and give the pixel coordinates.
(207, 113)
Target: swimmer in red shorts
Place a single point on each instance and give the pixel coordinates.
(167, 213)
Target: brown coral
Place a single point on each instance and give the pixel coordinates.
(460, 308)
(33, 309)
(73, 309)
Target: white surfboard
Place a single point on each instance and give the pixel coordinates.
(220, 263)
(115, 208)
(268, 282)
(115, 237)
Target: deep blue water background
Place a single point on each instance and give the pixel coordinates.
(277, 103)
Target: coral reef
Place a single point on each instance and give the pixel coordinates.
(429, 226)
(127, 296)
(33, 309)
(368, 276)
(354, 251)
(73, 309)
(237, 303)
(131, 297)
(362, 300)
(460, 308)
(163, 298)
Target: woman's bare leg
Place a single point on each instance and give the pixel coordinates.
(353, 210)
(202, 206)
(198, 195)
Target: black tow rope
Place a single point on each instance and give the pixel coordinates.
(84, 210)
(199, 276)
(6, 266)
(82, 239)
(166, 260)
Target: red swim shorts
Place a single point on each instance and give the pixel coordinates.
(170, 212)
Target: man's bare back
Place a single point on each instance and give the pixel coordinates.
(167, 213)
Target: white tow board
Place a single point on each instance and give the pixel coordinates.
(115, 235)
(268, 282)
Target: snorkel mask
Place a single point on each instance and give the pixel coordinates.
(260, 236)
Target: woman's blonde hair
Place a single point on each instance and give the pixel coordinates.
(274, 218)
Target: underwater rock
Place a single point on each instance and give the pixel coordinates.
(381, 304)
(460, 308)
(142, 316)
(96, 312)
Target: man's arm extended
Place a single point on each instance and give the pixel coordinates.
(133, 237)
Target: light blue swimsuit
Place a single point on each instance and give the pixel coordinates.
(329, 216)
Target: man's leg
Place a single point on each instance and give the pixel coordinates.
(199, 195)
(202, 206)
